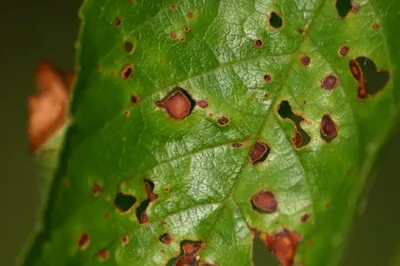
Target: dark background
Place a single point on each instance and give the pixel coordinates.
(32, 30)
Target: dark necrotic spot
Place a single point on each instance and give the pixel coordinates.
(305, 60)
(237, 145)
(188, 256)
(275, 20)
(343, 7)
(124, 202)
(190, 14)
(370, 80)
(329, 82)
(202, 103)
(128, 47)
(259, 153)
(375, 26)
(300, 138)
(103, 255)
(264, 202)
(149, 187)
(267, 78)
(182, 40)
(117, 22)
(223, 121)
(165, 238)
(96, 189)
(304, 218)
(328, 128)
(344, 50)
(84, 240)
(173, 7)
(126, 71)
(134, 99)
(187, 29)
(125, 239)
(258, 43)
(284, 245)
(178, 104)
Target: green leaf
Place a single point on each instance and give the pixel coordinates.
(199, 125)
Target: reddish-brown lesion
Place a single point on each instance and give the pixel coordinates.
(48, 109)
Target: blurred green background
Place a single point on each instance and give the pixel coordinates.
(32, 30)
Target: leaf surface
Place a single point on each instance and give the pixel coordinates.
(199, 125)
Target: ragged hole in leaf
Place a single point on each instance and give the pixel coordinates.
(141, 211)
(261, 254)
(103, 255)
(300, 138)
(83, 241)
(178, 104)
(124, 202)
(189, 254)
(259, 153)
(149, 187)
(128, 47)
(343, 7)
(264, 202)
(165, 238)
(275, 20)
(328, 128)
(126, 71)
(329, 82)
(283, 245)
(370, 80)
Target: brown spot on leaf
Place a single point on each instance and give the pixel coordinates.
(127, 113)
(96, 189)
(304, 218)
(223, 121)
(83, 241)
(202, 103)
(173, 7)
(117, 22)
(283, 245)
(182, 40)
(126, 71)
(375, 26)
(134, 99)
(344, 50)
(237, 145)
(125, 239)
(166, 238)
(267, 78)
(189, 254)
(297, 139)
(124, 202)
(258, 43)
(328, 128)
(329, 82)
(259, 152)
(178, 104)
(190, 14)
(173, 35)
(305, 60)
(103, 255)
(264, 202)
(187, 29)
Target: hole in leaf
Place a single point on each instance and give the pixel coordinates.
(124, 202)
(166, 238)
(264, 202)
(343, 7)
(370, 80)
(178, 104)
(103, 255)
(128, 47)
(300, 138)
(329, 82)
(261, 254)
(223, 121)
(141, 214)
(126, 71)
(283, 245)
(189, 253)
(83, 241)
(275, 20)
(149, 187)
(328, 128)
(259, 153)
(134, 99)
